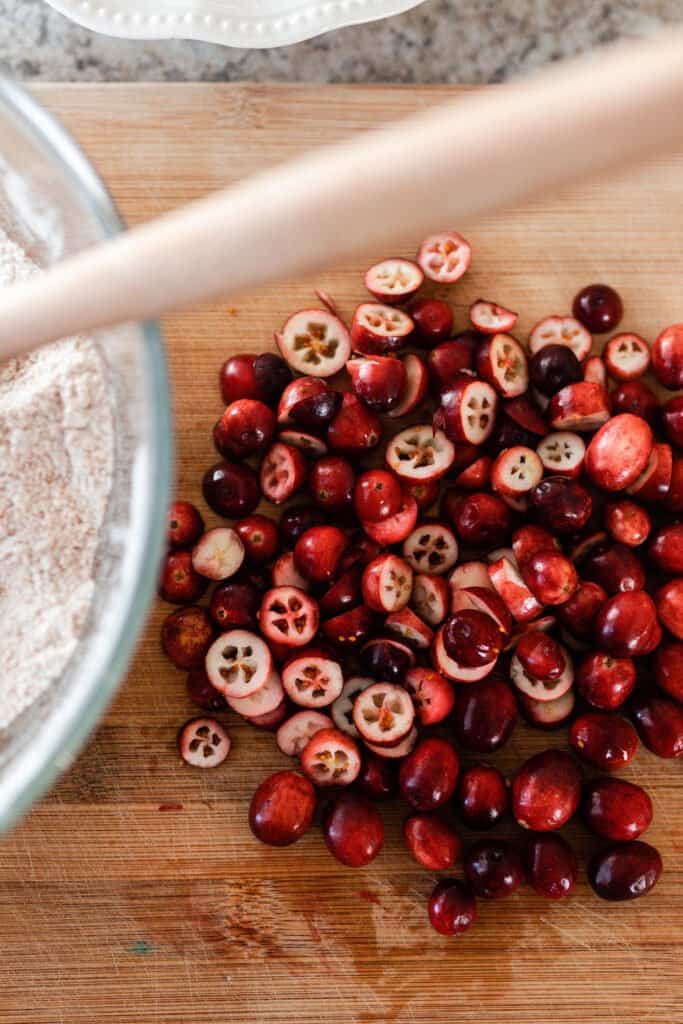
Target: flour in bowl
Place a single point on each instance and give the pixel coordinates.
(56, 458)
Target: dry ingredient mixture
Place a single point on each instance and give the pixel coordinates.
(56, 453)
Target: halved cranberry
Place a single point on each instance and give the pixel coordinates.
(431, 547)
(231, 489)
(467, 411)
(482, 797)
(425, 492)
(318, 551)
(604, 740)
(428, 776)
(203, 743)
(615, 809)
(654, 481)
(259, 536)
(238, 663)
(444, 257)
(430, 598)
(379, 381)
(270, 720)
(561, 505)
(540, 655)
(342, 709)
(294, 734)
(180, 583)
(420, 453)
(387, 583)
(316, 412)
(667, 357)
(432, 842)
(549, 866)
(452, 907)
(454, 670)
(399, 750)
(583, 407)
(561, 330)
(580, 612)
(490, 318)
(627, 522)
(285, 573)
(433, 696)
(405, 625)
(353, 830)
(301, 394)
(245, 428)
(482, 520)
(483, 599)
(331, 758)
(415, 387)
(545, 791)
(502, 362)
(548, 714)
(493, 868)
(269, 698)
(234, 605)
(355, 428)
(515, 471)
(331, 483)
(470, 574)
(281, 809)
(349, 628)
(505, 577)
(377, 495)
(625, 871)
(659, 722)
(433, 321)
(288, 616)
(283, 472)
(184, 525)
(344, 593)
(525, 414)
(377, 329)
(393, 280)
(378, 777)
(472, 638)
(626, 356)
(395, 528)
(539, 688)
(484, 715)
(383, 714)
(598, 307)
(635, 397)
(447, 361)
(314, 342)
(186, 636)
(562, 452)
(312, 678)
(218, 553)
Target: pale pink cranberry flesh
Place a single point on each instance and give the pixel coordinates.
(383, 714)
(627, 356)
(331, 758)
(238, 663)
(562, 452)
(561, 330)
(467, 411)
(263, 702)
(490, 318)
(581, 407)
(203, 743)
(516, 471)
(312, 678)
(414, 388)
(502, 362)
(377, 329)
(314, 342)
(431, 547)
(342, 709)
(296, 731)
(283, 472)
(444, 257)
(393, 280)
(430, 597)
(420, 453)
(288, 616)
(387, 583)
(433, 696)
(218, 554)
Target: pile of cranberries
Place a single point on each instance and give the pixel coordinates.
(379, 637)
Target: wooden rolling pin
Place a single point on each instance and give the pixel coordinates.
(433, 171)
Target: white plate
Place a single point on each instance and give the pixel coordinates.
(253, 24)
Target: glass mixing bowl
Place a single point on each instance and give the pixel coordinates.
(53, 204)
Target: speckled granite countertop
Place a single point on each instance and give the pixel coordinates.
(440, 41)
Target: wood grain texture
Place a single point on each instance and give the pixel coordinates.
(135, 893)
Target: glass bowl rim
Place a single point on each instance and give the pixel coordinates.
(27, 778)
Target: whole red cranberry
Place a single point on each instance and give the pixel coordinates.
(598, 307)
(472, 638)
(482, 796)
(626, 625)
(493, 869)
(540, 655)
(627, 523)
(245, 428)
(452, 907)
(235, 606)
(184, 525)
(350, 628)
(186, 635)
(433, 321)
(432, 841)
(331, 483)
(344, 593)
(231, 489)
(378, 777)
(674, 499)
(353, 830)
(447, 361)
(428, 776)
(606, 741)
(549, 866)
(579, 613)
(545, 791)
(355, 428)
(659, 722)
(672, 420)
(377, 495)
(318, 551)
(605, 681)
(625, 871)
(550, 576)
(237, 378)
(282, 808)
(615, 809)
(666, 549)
(482, 520)
(295, 521)
(484, 715)
(635, 397)
(667, 357)
(259, 535)
(615, 567)
(669, 670)
(180, 583)
(202, 693)
(561, 505)
(271, 375)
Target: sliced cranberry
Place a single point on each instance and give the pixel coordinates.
(483, 599)
(231, 489)
(455, 670)
(452, 907)
(342, 709)
(312, 678)
(285, 573)
(265, 701)
(472, 638)
(184, 525)
(180, 583)
(331, 758)
(484, 715)
(539, 688)
(561, 330)
(283, 472)
(582, 407)
(393, 280)
(399, 750)
(301, 394)
(505, 577)
(598, 307)
(490, 318)
(516, 471)
(203, 743)
(545, 791)
(353, 830)
(540, 655)
(383, 714)
(470, 574)
(432, 842)
(420, 453)
(548, 714)
(467, 411)
(428, 776)
(355, 429)
(550, 866)
(238, 663)
(595, 371)
(395, 528)
(482, 797)
(406, 626)
(379, 381)
(314, 342)
(288, 616)
(562, 452)
(431, 547)
(444, 257)
(377, 329)
(627, 356)
(294, 734)
(282, 808)
(526, 415)
(186, 636)
(430, 598)
(667, 357)
(433, 321)
(604, 740)
(433, 696)
(318, 551)
(414, 388)
(625, 871)
(218, 554)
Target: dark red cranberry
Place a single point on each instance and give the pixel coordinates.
(237, 378)
(482, 796)
(598, 307)
(184, 525)
(672, 420)
(550, 576)
(669, 670)
(432, 841)
(355, 428)
(507, 433)
(271, 376)
(606, 741)
(484, 715)
(549, 866)
(186, 635)
(615, 567)
(386, 660)
(446, 362)
(202, 693)
(231, 489)
(545, 791)
(472, 638)
(245, 428)
(378, 777)
(344, 593)
(179, 582)
(625, 871)
(350, 628)
(493, 869)
(553, 367)
(482, 520)
(540, 655)
(666, 549)
(296, 521)
(452, 907)
(433, 321)
(580, 612)
(331, 483)
(626, 625)
(353, 830)
(235, 606)
(259, 536)
(605, 681)
(282, 808)
(318, 551)
(561, 505)
(659, 722)
(361, 550)
(636, 397)
(316, 412)
(428, 776)
(615, 809)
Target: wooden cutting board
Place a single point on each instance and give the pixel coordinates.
(135, 893)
